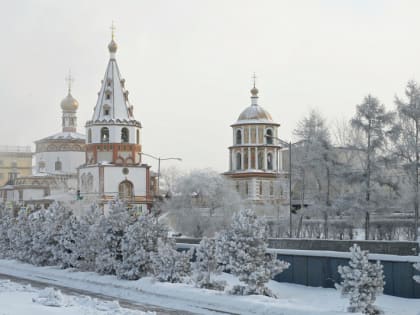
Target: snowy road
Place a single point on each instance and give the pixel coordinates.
(124, 303)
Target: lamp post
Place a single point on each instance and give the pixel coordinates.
(159, 159)
(289, 144)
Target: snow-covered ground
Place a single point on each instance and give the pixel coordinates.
(292, 299)
(19, 299)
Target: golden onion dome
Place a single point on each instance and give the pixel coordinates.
(69, 103)
(112, 47)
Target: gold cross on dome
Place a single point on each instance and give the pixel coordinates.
(69, 79)
(112, 29)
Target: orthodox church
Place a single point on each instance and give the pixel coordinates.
(56, 160)
(112, 168)
(255, 163)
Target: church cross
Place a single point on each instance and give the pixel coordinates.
(69, 79)
(254, 78)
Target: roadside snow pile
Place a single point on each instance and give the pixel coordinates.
(19, 299)
(50, 297)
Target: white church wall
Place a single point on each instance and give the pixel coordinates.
(70, 161)
(89, 187)
(114, 176)
(33, 194)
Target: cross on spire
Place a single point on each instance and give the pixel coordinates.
(69, 79)
(254, 78)
(112, 30)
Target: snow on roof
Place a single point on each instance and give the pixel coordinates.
(112, 100)
(66, 136)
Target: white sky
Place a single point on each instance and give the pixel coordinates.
(188, 64)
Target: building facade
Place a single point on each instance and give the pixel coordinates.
(112, 168)
(14, 160)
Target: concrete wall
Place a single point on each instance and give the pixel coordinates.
(320, 268)
(322, 271)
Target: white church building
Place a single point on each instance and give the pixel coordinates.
(112, 168)
(255, 160)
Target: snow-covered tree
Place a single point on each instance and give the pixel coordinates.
(406, 148)
(202, 203)
(86, 244)
(139, 242)
(362, 281)
(317, 165)
(374, 123)
(20, 237)
(107, 233)
(242, 250)
(5, 223)
(206, 264)
(417, 267)
(169, 265)
(46, 227)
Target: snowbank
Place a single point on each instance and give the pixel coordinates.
(293, 299)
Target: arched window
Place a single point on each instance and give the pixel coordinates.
(107, 110)
(260, 160)
(238, 137)
(58, 165)
(269, 136)
(138, 136)
(104, 134)
(261, 187)
(238, 161)
(124, 135)
(125, 190)
(269, 161)
(90, 135)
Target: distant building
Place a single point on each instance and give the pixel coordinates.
(14, 160)
(113, 168)
(56, 160)
(254, 164)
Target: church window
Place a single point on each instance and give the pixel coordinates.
(269, 161)
(269, 134)
(104, 134)
(58, 165)
(138, 136)
(238, 161)
(124, 135)
(107, 110)
(246, 189)
(108, 96)
(271, 189)
(125, 190)
(261, 187)
(238, 137)
(90, 135)
(260, 160)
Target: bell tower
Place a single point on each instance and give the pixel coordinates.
(113, 168)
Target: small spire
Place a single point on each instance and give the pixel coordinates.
(254, 90)
(112, 30)
(112, 47)
(69, 79)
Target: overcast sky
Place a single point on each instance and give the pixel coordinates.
(188, 64)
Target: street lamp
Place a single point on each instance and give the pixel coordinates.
(159, 159)
(289, 144)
